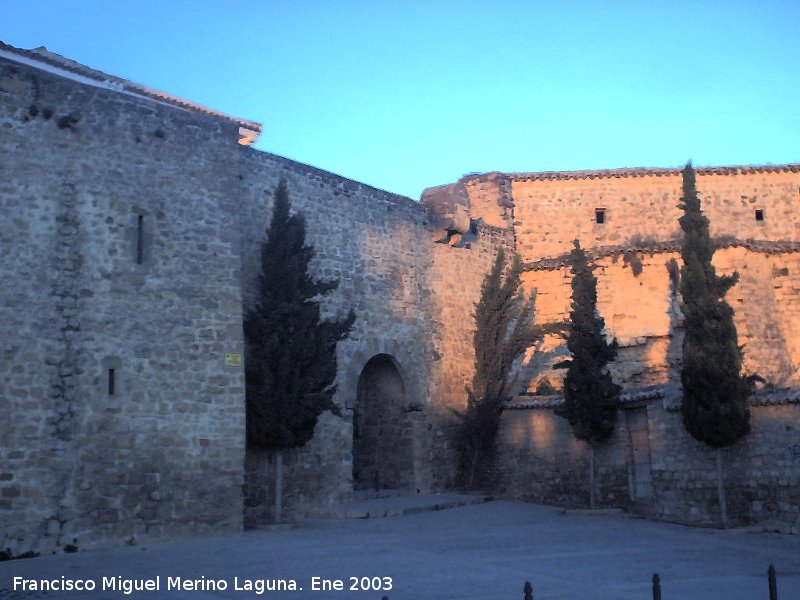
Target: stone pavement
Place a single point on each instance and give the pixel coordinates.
(483, 551)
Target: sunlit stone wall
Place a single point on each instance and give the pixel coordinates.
(753, 217)
(413, 300)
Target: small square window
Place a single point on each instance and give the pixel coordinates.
(759, 214)
(600, 215)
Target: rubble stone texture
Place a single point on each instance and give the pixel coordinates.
(129, 238)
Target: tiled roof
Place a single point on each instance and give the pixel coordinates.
(668, 393)
(772, 397)
(643, 394)
(762, 397)
(653, 172)
(45, 57)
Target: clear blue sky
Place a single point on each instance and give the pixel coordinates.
(408, 94)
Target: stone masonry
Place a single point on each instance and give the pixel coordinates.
(129, 241)
(121, 298)
(131, 228)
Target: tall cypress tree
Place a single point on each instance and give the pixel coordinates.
(715, 404)
(291, 358)
(715, 407)
(590, 394)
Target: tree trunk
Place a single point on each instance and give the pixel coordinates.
(592, 499)
(278, 486)
(723, 505)
(472, 467)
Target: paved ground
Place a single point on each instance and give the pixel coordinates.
(480, 551)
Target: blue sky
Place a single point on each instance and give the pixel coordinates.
(408, 94)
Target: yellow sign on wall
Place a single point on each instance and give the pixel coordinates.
(233, 359)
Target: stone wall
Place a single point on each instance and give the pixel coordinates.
(761, 470)
(641, 207)
(413, 301)
(132, 252)
(539, 460)
(129, 247)
(161, 453)
(642, 312)
(636, 251)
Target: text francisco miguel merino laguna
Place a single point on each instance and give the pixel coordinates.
(155, 584)
(202, 584)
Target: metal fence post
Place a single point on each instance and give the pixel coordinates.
(528, 589)
(773, 583)
(656, 587)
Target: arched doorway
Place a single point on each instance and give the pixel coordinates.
(382, 431)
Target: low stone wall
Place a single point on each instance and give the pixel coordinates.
(761, 470)
(540, 460)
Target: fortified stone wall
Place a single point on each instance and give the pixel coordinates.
(638, 299)
(540, 460)
(413, 301)
(132, 252)
(761, 471)
(490, 199)
(637, 251)
(641, 207)
(129, 245)
(120, 418)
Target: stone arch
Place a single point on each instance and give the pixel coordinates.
(404, 361)
(383, 436)
(382, 387)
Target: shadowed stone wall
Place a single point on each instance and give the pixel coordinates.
(540, 460)
(120, 250)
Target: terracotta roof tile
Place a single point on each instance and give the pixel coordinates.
(643, 394)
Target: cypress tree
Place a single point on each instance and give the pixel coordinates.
(590, 394)
(715, 394)
(503, 330)
(715, 404)
(291, 357)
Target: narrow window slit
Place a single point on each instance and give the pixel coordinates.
(759, 214)
(111, 382)
(600, 215)
(140, 240)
